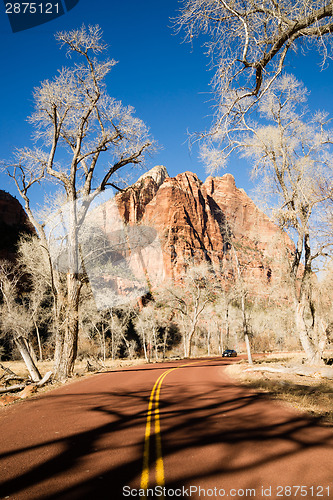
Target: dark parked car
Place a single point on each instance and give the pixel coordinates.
(229, 353)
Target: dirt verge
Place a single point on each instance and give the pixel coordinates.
(286, 378)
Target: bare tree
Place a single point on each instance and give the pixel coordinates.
(218, 320)
(248, 42)
(242, 293)
(326, 291)
(118, 322)
(32, 259)
(76, 125)
(147, 324)
(92, 323)
(16, 319)
(154, 326)
(189, 299)
(292, 157)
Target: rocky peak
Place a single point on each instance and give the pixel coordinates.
(158, 174)
(198, 221)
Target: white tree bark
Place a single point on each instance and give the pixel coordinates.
(76, 118)
(32, 368)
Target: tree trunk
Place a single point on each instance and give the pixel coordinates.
(245, 326)
(104, 346)
(128, 347)
(31, 350)
(165, 337)
(189, 341)
(208, 342)
(310, 336)
(24, 351)
(112, 336)
(145, 352)
(245, 330)
(144, 346)
(221, 340)
(58, 349)
(58, 320)
(227, 329)
(185, 345)
(155, 344)
(66, 354)
(310, 328)
(39, 341)
(248, 349)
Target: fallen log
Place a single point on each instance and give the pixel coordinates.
(267, 369)
(319, 373)
(19, 387)
(45, 379)
(22, 346)
(7, 372)
(12, 388)
(13, 377)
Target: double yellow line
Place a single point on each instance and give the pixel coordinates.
(159, 467)
(154, 402)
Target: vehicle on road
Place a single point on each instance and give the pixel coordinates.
(229, 353)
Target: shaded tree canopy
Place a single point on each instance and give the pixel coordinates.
(248, 42)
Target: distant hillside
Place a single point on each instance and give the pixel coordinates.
(13, 222)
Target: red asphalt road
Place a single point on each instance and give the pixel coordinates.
(86, 440)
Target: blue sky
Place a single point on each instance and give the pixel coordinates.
(166, 81)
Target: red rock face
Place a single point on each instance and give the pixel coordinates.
(13, 221)
(185, 220)
(212, 221)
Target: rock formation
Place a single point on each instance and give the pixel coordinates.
(212, 221)
(13, 222)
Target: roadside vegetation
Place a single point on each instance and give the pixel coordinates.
(202, 314)
(286, 378)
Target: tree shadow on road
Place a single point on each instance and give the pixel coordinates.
(226, 432)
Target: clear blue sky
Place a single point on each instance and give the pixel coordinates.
(165, 80)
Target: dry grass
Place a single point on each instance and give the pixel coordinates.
(311, 394)
(19, 368)
(80, 371)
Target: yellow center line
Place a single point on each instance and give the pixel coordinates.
(145, 467)
(154, 398)
(159, 459)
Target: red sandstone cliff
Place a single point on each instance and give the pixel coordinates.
(13, 222)
(212, 221)
(208, 221)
